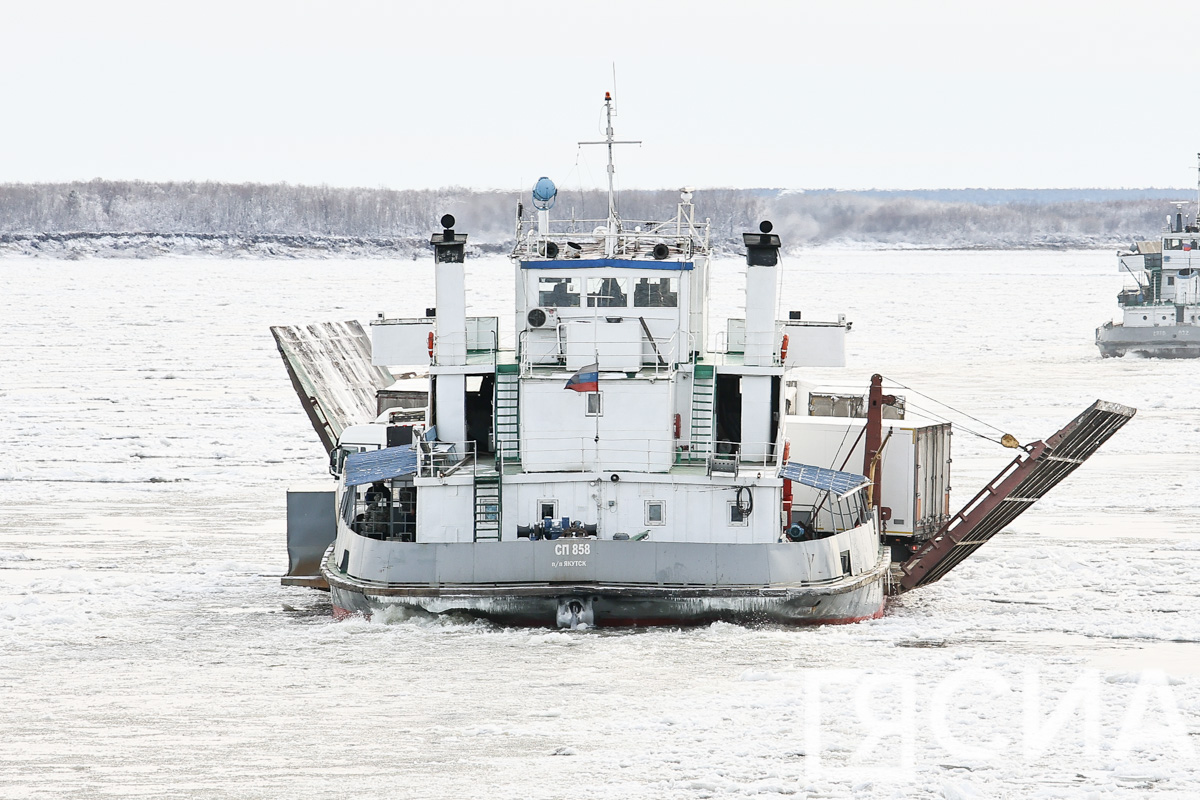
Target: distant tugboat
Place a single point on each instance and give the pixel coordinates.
(1161, 313)
(612, 468)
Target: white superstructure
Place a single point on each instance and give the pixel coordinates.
(612, 468)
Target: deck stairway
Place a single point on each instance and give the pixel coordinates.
(703, 409)
(1022, 483)
(487, 506)
(507, 405)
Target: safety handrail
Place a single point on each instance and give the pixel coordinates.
(438, 459)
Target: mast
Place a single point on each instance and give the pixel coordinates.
(876, 400)
(614, 221)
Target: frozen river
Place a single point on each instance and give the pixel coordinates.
(148, 650)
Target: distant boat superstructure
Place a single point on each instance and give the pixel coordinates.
(1160, 313)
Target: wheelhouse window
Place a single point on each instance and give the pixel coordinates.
(607, 292)
(558, 292)
(656, 293)
(1173, 244)
(654, 512)
(595, 408)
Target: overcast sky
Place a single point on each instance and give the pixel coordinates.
(850, 95)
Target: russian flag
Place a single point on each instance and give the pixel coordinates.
(587, 379)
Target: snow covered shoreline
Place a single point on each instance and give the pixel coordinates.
(83, 244)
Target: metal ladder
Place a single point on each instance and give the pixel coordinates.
(507, 430)
(703, 393)
(487, 507)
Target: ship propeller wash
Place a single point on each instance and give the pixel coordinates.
(610, 468)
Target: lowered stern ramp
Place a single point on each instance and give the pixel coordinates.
(330, 367)
(1018, 486)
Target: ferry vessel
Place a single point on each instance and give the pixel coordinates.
(1160, 313)
(612, 468)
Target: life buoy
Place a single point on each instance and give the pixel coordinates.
(783, 349)
(431, 344)
(678, 426)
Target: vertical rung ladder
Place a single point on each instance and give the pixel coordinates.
(487, 507)
(507, 430)
(703, 408)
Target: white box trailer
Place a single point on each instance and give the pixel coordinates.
(914, 475)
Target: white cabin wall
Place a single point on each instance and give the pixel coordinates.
(669, 326)
(691, 512)
(446, 513)
(1149, 316)
(1187, 290)
(634, 429)
(815, 346)
(574, 499)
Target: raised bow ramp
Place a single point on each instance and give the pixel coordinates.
(1018, 486)
(330, 367)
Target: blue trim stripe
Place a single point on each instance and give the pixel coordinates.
(620, 263)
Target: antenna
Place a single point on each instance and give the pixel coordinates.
(614, 222)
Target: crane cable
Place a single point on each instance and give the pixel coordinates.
(1005, 440)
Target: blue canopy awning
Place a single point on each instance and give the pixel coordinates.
(380, 465)
(831, 480)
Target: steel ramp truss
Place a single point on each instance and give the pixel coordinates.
(1018, 486)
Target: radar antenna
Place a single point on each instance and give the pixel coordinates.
(614, 222)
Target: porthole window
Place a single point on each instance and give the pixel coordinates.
(1144, 316)
(654, 512)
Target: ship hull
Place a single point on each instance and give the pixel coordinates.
(601, 604)
(1164, 341)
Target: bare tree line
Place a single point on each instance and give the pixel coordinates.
(405, 218)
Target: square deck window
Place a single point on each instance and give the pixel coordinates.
(737, 517)
(607, 292)
(595, 408)
(547, 508)
(558, 292)
(656, 293)
(654, 512)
